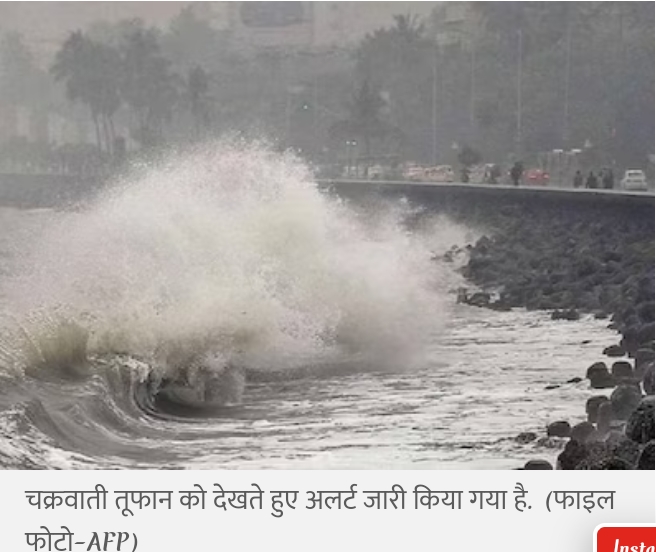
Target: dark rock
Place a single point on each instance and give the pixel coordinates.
(643, 357)
(624, 400)
(622, 371)
(648, 380)
(640, 425)
(614, 351)
(646, 333)
(604, 417)
(569, 314)
(592, 406)
(608, 463)
(646, 311)
(526, 437)
(573, 454)
(575, 380)
(627, 450)
(596, 369)
(479, 299)
(538, 465)
(599, 376)
(559, 429)
(549, 442)
(582, 432)
(646, 460)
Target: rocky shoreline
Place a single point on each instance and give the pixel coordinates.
(573, 266)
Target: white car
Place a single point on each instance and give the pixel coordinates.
(634, 180)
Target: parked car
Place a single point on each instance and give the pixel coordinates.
(415, 173)
(634, 180)
(377, 172)
(440, 173)
(536, 177)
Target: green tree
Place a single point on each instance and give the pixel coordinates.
(399, 59)
(365, 120)
(91, 72)
(148, 85)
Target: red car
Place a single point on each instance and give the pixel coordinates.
(536, 177)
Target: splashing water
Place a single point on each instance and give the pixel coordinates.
(221, 261)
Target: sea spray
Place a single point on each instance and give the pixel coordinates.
(231, 252)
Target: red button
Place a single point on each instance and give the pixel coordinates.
(640, 538)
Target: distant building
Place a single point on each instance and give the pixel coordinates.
(455, 23)
(308, 25)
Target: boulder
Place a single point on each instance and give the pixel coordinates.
(643, 357)
(640, 425)
(573, 454)
(592, 406)
(538, 465)
(604, 417)
(646, 311)
(606, 463)
(560, 428)
(568, 314)
(479, 299)
(646, 460)
(599, 376)
(627, 450)
(624, 400)
(526, 437)
(622, 371)
(648, 380)
(596, 369)
(582, 432)
(646, 333)
(614, 351)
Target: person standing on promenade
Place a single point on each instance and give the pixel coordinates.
(516, 173)
(591, 182)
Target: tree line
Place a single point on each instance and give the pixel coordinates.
(522, 78)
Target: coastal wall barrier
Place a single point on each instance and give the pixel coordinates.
(43, 191)
(476, 199)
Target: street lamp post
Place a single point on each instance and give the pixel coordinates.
(518, 128)
(350, 155)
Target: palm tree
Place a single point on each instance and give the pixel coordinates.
(148, 85)
(91, 72)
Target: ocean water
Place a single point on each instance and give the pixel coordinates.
(217, 310)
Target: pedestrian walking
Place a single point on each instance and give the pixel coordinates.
(578, 179)
(516, 173)
(591, 182)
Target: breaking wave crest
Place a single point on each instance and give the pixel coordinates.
(216, 266)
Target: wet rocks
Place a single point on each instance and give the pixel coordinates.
(526, 437)
(568, 314)
(643, 357)
(624, 400)
(648, 380)
(599, 376)
(640, 425)
(582, 432)
(559, 429)
(573, 454)
(592, 406)
(538, 465)
(575, 264)
(622, 371)
(614, 351)
(646, 460)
